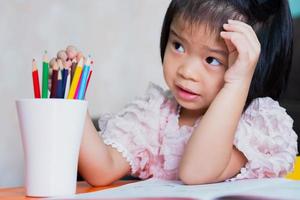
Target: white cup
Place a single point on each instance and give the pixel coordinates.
(51, 132)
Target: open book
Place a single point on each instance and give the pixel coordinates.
(250, 189)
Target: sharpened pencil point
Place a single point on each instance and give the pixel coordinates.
(34, 66)
(45, 57)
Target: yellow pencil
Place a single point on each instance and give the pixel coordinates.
(75, 80)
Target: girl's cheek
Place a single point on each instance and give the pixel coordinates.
(167, 57)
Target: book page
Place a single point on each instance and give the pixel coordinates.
(273, 188)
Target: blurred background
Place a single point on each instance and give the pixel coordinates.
(121, 35)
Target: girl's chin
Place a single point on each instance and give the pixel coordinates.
(192, 106)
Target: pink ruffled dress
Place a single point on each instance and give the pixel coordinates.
(148, 135)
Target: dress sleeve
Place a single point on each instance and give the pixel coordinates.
(134, 130)
(266, 137)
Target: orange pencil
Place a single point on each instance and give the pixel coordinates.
(35, 80)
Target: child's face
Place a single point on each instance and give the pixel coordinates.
(195, 62)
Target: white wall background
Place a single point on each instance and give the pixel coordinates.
(121, 35)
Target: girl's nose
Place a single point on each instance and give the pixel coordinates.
(190, 70)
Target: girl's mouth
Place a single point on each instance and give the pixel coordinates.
(186, 94)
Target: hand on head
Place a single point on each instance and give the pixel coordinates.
(244, 50)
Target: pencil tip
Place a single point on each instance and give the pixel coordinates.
(34, 67)
(45, 57)
(80, 62)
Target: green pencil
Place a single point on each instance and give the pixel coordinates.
(45, 76)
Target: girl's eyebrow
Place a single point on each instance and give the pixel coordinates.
(218, 51)
(172, 31)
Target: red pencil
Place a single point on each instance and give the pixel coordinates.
(35, 80)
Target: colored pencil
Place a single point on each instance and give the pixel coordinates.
(84, 78)
(35, 80)
(64, 80)
(75, 80)
(59, 86)
(78, 86)
(59, 93)
(73, 67)
(88, 81)
(68, 72)
(45, 76)
(54, 81)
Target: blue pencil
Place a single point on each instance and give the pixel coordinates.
(59, 93)
(64, 81)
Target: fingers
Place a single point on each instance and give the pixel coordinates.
(247, 27)
(240, 48)
(241, 27)
(229, 44)
(241, 37)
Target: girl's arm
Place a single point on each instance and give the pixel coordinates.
(210, 155)
(210, 148)
(99, 164)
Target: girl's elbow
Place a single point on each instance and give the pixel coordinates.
(95, 177)
(186, 178)
(98, 181)
(191, 177)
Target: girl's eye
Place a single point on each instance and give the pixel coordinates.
(178, 47)
(213, 61)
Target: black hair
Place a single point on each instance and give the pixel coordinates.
(270, 19)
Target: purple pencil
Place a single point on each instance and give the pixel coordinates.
(54, 81)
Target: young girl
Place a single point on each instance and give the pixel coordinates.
(226, 62)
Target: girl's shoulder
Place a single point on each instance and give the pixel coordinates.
(266, 106)
(266, 114)
(264, 102)
(266, 137)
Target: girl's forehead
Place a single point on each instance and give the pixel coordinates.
(194, 29)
